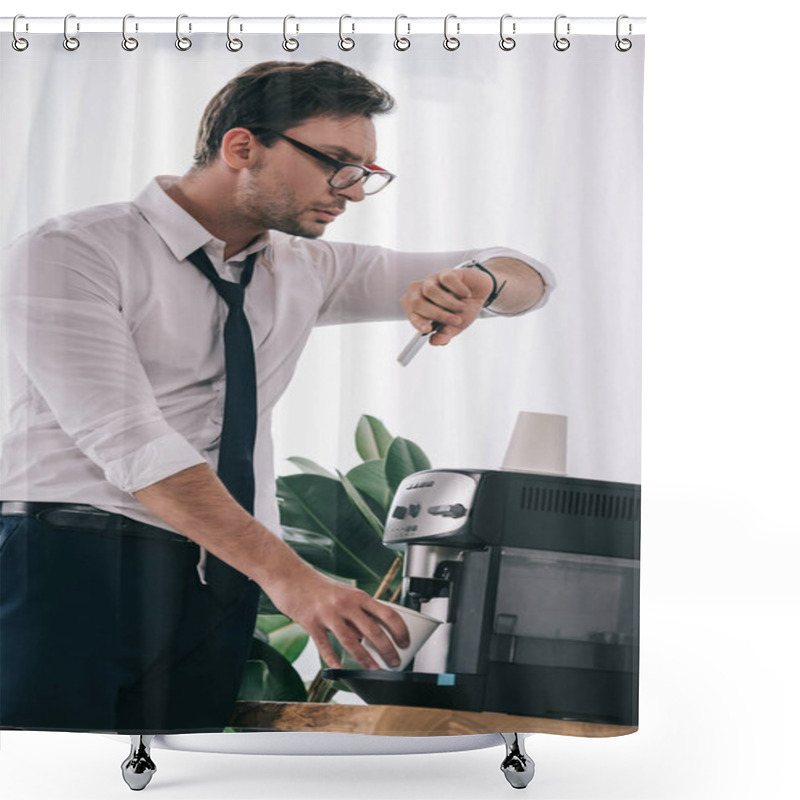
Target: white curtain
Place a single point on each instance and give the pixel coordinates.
(532, 149)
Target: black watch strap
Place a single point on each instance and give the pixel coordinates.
(495, 288)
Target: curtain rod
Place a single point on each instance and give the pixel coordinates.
(462, 26)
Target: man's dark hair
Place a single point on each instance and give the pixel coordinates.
(282, 94)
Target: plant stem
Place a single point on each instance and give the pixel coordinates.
(388, 577)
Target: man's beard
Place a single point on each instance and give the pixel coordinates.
(273, 211)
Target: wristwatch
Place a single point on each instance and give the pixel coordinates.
(495, 288)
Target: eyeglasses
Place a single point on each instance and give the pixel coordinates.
(373, 178)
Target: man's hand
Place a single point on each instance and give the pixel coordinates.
(321, 605)
(452, 297)
(196, 503)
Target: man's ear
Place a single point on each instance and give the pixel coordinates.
(238, 148)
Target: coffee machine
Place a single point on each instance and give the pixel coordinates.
(536, 581)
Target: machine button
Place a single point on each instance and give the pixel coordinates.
(456, 510)
(399, 512)
(414, 509)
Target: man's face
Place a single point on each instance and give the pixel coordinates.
(288, 189)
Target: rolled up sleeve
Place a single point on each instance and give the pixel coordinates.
(544, 271)
(64, 324)
(363, 283)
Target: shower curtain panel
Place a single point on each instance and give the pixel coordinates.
(488, 486)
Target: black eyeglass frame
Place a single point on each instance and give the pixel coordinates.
(366, 169)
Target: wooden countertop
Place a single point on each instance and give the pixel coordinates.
(404, 721)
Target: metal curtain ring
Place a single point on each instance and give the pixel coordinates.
(234, 45)
(70, 42)
(623, 45)
(128, 42)
(345, 43)
(182, 42)
(507, 42)
(18, 43)
(561, 43)
(451, 42)
(401, 42)
(289, 44)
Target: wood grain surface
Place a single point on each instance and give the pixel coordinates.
(404, 721)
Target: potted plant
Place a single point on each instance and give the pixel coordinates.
(335, 521)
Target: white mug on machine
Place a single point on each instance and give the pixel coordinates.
(538, 444)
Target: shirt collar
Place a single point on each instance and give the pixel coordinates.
(181, 232)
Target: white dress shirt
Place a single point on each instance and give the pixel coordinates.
(115, 362)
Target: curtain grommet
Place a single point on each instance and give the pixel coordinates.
(70, 43)
(451, 43)
(401, 43)
(289, 44)
(561, 43)
(622, 44)
(507, 42)
(19, 43)
(183, 43)
(234, 45)
(129, 43)
(345, 42)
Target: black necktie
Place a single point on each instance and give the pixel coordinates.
(235, 466)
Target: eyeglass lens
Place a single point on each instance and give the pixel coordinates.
(348, 176)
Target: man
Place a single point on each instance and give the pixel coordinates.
(129, 571)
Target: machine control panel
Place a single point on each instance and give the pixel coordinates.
(437, 502)
(454, 511)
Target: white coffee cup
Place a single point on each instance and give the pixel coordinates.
(420, 628)
(538, 444)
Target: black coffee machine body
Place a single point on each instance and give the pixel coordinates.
(536, 580)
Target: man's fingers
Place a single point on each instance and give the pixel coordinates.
(378, 638)
(430, 312)
(437, 293)
(391, 620)
(326, 651)
(376, 623)
(444, 336)
(422, 324)
(451, 280)
(351, 639)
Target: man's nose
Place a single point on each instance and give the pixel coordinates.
(354, 193)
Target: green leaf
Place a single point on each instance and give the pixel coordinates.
(315, 548)
(254, 681)
(290, 641)
(358, 501)
(310, 467)
(321, 505)
(280, 632)
(267, 623)
(372, 438)
(281, 681)
(370, 479)
(403, 459)
(370, 587)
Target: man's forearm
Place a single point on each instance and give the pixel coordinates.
(524, 285)
(196, 503)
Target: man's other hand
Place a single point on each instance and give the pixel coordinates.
(453, 298)
(322, 605)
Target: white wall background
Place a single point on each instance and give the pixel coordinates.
(532, 149)
(720, 606)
